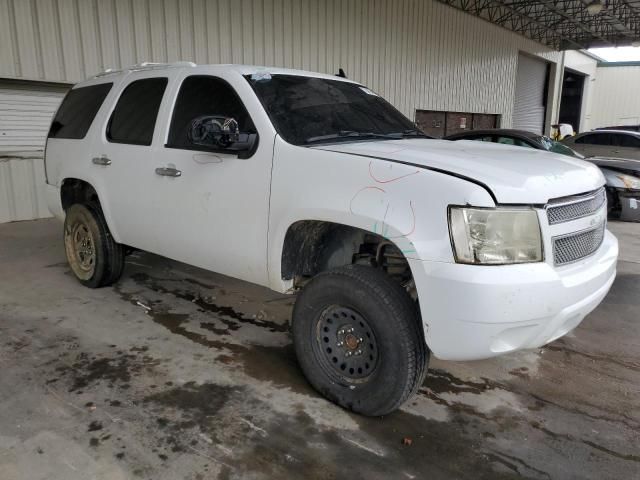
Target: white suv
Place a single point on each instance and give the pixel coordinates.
(400, 245)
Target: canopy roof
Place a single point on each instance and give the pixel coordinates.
(562, 24)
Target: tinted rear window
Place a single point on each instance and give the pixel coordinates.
(134, 117)
(77, 111)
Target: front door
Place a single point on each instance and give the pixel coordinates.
(215, 205)
(595, 144)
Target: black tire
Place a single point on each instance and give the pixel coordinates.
(93, 255)
(367, 302)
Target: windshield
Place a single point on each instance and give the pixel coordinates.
(557, 147)
(309, 110)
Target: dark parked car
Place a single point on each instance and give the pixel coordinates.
(519, 138)
(632, 128)
(622, 175)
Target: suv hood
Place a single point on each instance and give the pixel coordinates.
(513, 174)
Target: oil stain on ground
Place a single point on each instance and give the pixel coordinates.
(267, 363)
(118, 369)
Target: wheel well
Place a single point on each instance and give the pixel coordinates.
(77, 191)
(312, 246)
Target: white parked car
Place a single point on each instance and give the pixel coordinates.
(399, 246)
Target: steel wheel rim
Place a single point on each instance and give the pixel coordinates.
(83, 247)
(345, 344)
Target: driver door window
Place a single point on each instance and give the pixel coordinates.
(506, 141)
(596, 144)
(203, 95)
(513, 141)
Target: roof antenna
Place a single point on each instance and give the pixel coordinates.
(341, 73)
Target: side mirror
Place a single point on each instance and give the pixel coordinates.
(216, 132)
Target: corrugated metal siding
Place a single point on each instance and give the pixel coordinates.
(416, 53)
(529, 108)
(21, 187)
(26, 110)
(616, 98)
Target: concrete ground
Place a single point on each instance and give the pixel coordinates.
(176, 373)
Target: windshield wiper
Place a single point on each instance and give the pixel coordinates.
(353, 134)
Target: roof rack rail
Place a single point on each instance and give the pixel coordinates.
(144, 66)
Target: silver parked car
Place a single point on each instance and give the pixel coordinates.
(622, 175)
(606, 143)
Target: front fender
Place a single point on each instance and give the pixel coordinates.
(405, 204)
(613, 178)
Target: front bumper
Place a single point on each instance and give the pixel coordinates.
(472, 312)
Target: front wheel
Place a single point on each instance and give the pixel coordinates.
(358, 339)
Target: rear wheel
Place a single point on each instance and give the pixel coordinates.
(358, 339)
(95, 258)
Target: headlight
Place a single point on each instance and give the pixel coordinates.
(629, 181)
(495, 236)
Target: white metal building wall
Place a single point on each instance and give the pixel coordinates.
(416, 53)
(22, 187)
(26, 109)
(616, 98)
(419, 54)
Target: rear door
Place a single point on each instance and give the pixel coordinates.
(625, 145)
(123, 159)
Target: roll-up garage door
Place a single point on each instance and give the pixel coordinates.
(530, 101)
(26, 109)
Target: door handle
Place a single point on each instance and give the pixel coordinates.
(103, 160)
(168, 172)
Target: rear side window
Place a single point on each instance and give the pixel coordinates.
(134, 117)
(77, 111)
(203, 95)
(595, 139)
(623, 140)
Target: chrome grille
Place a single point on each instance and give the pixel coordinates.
(572, 208)
(573, 247)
